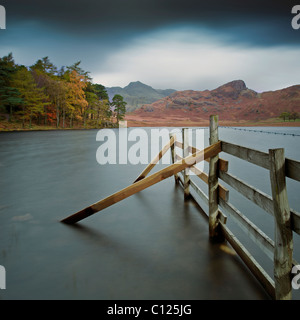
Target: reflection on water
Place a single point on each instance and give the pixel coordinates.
(152, 245)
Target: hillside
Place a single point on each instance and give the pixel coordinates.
(137, 94)
(233, 102)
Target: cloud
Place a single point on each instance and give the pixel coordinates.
(119, 18)
(165, 43)
(189, 59)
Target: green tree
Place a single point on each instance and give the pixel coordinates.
(100, 91)
(45, 66)
(119, 106)
(284, 115)
(33, 97)
(10, 97)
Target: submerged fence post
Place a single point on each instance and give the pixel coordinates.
(173, 155)
(213, 183)
(283, 253)
(185, 139)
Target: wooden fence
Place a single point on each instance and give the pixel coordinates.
(286, 220)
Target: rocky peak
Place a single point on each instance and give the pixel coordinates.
(231, 89)
(237, 85)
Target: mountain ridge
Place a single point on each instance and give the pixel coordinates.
(137, 94)
(233, 101)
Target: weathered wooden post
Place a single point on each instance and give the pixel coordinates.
(185, 139)
(283, 253)
(173, 135)
(213, 183)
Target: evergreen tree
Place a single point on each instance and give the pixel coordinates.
(119, 106)
(9, 96)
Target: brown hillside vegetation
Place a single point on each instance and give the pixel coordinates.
(233, 102)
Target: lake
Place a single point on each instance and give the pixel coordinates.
(152, 245)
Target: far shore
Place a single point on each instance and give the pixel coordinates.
(134, 121)
(138, 122)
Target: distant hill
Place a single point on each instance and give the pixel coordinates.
(137, 94)
(232, 101)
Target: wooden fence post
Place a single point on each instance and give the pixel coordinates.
(283, 253)
(185, 139)
(213, 184)
(173, 155)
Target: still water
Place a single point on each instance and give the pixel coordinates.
(152, 245)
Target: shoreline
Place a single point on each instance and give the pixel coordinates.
(146, 123)
(224, 123)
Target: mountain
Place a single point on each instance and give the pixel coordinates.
(232, 101)
(137, 94)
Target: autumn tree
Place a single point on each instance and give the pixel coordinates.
(45, 75)
(76, 96)
(294, 116)
(44, 92)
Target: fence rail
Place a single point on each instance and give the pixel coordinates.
(286, 219)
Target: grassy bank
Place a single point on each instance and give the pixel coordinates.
(6, 126)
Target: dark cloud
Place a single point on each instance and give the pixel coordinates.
(262, 22)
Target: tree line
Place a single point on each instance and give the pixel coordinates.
(289, 116)
(45, 95)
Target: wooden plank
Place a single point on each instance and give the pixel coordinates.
(155, 160)
(257, 236)
(223, 164)
(295, 221)
(202, 195)
(180, 179)
(283, 254)
(256, 157)
(213, 184)
(256, 269)
(200, 174)
(144, 183)
(260, 198)
(204, 198)
(185, 139)
(260, 238)
(292, 169)
(173, 154)
(179, 144)
(223, 191)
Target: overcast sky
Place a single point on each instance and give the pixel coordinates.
(179, 44)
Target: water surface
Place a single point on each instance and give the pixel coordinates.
(152, 245)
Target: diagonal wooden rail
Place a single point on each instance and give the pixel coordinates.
(145, 183)
(152, 164)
